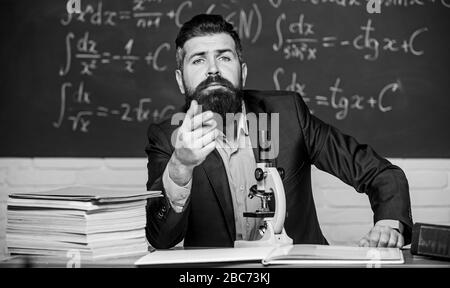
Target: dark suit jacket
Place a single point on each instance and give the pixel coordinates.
(304, 140)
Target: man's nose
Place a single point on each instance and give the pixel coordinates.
(212, 68)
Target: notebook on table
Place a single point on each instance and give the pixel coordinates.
(292, 254)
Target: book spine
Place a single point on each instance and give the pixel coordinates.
(431, 240)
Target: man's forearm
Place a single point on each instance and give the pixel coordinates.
(177, 187)
(178, 172)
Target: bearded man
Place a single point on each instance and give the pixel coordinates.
(205, 174)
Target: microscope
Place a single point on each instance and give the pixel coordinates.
(268, 185)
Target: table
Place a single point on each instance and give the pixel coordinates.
(411, 261)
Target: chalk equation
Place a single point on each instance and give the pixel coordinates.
(272, 27)
(143, 13)
(297, 40)
(362, 3)
(335, 97)
(87, 54)
(149, 14)
(85, 49)
(77, 108)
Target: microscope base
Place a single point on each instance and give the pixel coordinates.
(269, 239)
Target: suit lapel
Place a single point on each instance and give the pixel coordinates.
(217, 176)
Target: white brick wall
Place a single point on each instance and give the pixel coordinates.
(427, 179)
(344, 214)
(3, 172)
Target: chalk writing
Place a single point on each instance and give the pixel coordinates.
(354, 3)
(142, 13)
(292, 35)
(335, 98)
(298, 40)
(80, 116)
(90, 58)
(247, 23)
(102, 71)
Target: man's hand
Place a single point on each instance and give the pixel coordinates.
(195, 139)
(382, 236)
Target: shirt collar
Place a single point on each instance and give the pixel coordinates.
(242, 126)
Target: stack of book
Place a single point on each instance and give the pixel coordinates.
(96, 223)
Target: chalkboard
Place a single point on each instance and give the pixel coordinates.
(89, 84)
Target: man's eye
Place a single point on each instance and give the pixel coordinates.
(225, 58)
(197, 61)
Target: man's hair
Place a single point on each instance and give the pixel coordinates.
(202, 25)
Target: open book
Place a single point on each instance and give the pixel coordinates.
(292, 254)
(323, 255)
(196, 256)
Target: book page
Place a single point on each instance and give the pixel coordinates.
(182, 256)
(324, 254)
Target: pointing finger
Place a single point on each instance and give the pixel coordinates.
(190, 113)
(192, 109)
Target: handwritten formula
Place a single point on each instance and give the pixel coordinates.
(134, 40)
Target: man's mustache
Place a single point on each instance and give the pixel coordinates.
(216, 79)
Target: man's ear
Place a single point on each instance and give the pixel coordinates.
(179, 77)
(244, 73)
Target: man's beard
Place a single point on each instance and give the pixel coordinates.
(221, 100)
